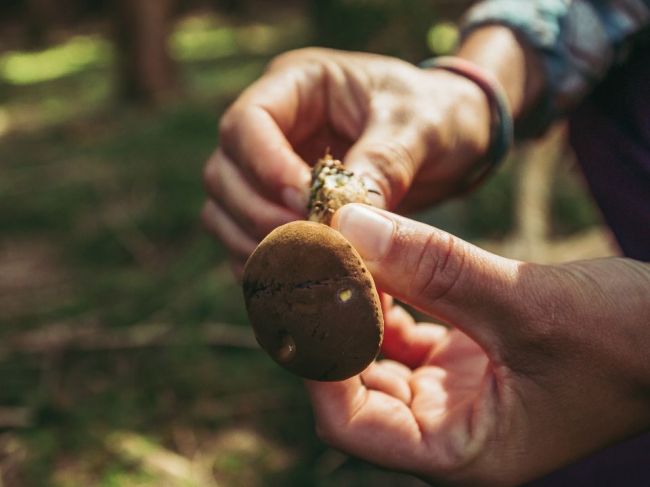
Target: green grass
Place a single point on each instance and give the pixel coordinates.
(76, 55)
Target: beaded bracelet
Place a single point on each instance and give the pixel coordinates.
(501, 123)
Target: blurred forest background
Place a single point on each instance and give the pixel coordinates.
(125, 359)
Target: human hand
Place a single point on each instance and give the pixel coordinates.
(390, 120)
(546, 363)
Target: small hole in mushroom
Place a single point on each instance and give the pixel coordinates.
(287, 350)
(345, 295)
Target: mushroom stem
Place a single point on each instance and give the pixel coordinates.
(333, 186)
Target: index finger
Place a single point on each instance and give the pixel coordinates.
(258, 131)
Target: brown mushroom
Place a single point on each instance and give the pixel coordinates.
(310, 298)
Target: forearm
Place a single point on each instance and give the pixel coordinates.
(511, 61)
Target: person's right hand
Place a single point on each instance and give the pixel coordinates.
(546, 363)
(386, 118)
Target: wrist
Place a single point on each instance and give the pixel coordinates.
(515, 65)
(468, 135)
(461, 128)
(498, 116)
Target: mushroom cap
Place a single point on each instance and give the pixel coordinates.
(312, 302)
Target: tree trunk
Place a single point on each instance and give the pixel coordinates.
(146, 73)
(40, 16)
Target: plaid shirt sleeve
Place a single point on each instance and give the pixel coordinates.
(579, 41)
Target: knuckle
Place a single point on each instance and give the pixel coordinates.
(395, 165)
(438, 267)
(391, 152)
(403, 114)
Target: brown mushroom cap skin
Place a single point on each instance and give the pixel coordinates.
(312, 302)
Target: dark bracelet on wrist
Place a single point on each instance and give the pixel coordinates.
(501, 123)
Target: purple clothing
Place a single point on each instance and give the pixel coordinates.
(610, 133)
(625, 464)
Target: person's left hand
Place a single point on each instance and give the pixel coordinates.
(414, 136)
(547, 363)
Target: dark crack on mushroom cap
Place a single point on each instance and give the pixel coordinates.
(312, 302)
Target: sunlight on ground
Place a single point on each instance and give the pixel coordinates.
(72, 56)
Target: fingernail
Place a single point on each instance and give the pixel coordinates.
(370, 232)
(295, 199)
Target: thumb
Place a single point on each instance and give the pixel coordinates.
(387, 157)
(436, 272)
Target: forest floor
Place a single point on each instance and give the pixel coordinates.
(125, 359)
